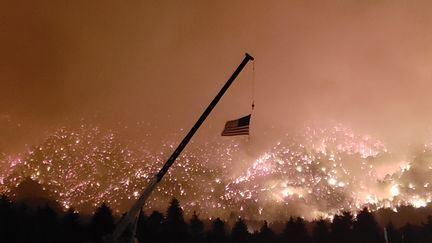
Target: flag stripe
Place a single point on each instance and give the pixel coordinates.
(235, 133)
(230, 127)
(237, 130)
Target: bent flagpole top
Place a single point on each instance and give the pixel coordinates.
(249, 56)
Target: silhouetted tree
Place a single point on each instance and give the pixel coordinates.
(102, 222)
(25, 224)
(321, 232)
(366, 229)
(47, 224)
(239, 232)
(427, 230)
(341, 227)
(20, 223)
(289, 230)
(302, 232)
(154, 227)
(175, 228)
(6, 219)
(393, 235)
(410, 234)
(72, 230)
(196, 227)
(217, 232)
(265, 234)
(295, 231)
(141, 228)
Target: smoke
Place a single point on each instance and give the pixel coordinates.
(365, 64)
(124, 64)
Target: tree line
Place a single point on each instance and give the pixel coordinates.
(22, 223)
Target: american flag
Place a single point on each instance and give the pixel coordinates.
(237, 127)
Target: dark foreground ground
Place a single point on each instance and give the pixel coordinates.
(20, 222)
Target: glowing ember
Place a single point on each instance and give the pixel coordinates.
(315, 172)
(394, 191)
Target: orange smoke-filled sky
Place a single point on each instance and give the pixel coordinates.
(364, 63)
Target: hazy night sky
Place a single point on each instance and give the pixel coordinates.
(366, 64)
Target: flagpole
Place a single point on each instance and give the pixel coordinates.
(127, 219)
